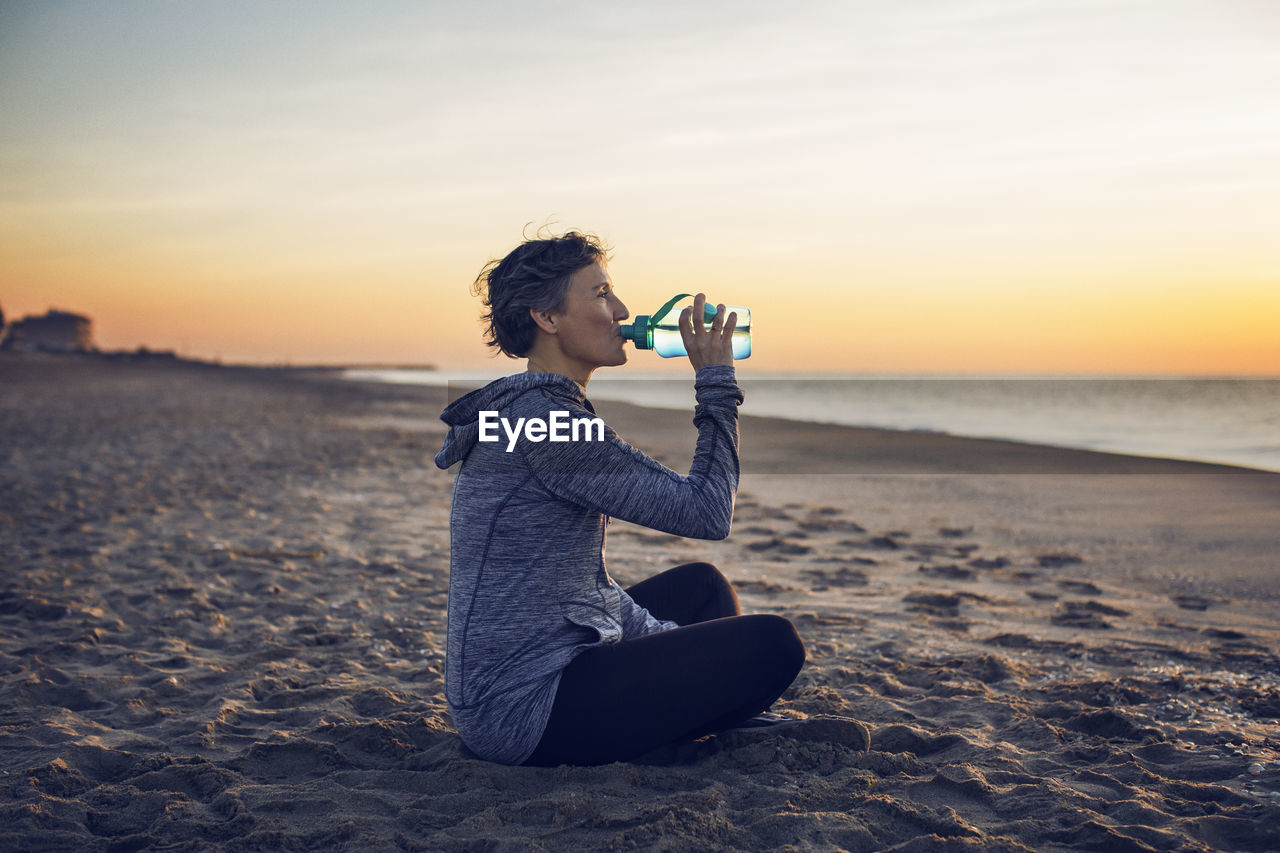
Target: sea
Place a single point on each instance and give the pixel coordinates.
(1231, 420)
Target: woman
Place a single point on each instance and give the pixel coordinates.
(548, 660)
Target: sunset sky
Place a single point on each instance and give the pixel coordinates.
(929, 186)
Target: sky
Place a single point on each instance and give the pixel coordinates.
(934, 186)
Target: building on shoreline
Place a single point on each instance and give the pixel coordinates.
(53, 331)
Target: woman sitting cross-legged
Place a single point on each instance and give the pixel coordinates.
(549, 661)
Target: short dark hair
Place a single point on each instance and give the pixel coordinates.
(534, 275)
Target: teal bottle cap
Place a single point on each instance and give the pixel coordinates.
(637, 332)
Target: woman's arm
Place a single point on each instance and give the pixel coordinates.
(613, 477)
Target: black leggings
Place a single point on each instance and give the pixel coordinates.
(619, 701)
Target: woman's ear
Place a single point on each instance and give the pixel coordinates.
(545, 320)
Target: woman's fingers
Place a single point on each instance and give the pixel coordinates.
(718, 323)
(688, 334)
(707, 344)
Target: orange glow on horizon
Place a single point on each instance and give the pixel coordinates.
(1188, 329)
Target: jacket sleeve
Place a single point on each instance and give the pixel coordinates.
(636, 621)
(613, 477)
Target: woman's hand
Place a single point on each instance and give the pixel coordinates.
(707, 346)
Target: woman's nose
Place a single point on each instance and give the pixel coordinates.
(620, 311)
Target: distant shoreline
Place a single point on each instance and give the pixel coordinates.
(1012, 448)
(170, 356)
(1215, 421)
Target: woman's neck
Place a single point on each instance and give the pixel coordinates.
(541, 364)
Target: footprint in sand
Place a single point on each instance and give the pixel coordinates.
(763, 587)
(1085, 614)
(1056, 561)
(832, 526)
(934, 603)
(777, 545)
(950, 571)
(1080, 587)
(1224, 634)
(1195, 602)
(899, 737)
(842, 577)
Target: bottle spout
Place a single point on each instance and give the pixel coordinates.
(638, 332)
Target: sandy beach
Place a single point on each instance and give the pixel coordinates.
(222, 627)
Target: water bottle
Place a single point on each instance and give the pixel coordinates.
(660, 331)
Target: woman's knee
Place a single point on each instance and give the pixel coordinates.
(716, 593)
(777, 639)
(699, 572)
(685, 579)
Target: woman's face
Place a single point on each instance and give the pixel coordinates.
(589, 326)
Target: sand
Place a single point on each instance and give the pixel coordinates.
(223, 611)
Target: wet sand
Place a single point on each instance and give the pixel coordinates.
(222, 628)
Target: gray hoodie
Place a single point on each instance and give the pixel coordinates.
(528, 589)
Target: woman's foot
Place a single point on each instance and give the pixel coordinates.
(823, 728)
(764, 720)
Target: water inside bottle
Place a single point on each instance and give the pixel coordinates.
(668, 343)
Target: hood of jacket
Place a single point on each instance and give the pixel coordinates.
(462, 415)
